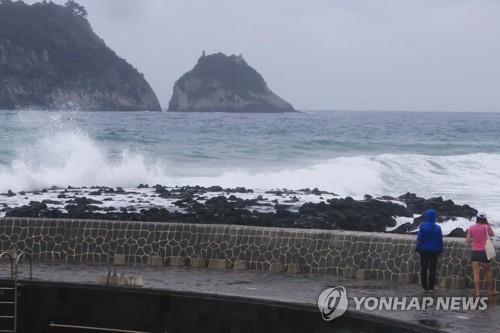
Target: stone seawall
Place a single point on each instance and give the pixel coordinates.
(350, 254)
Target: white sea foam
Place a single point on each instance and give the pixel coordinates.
(73, 158)
(473, 179)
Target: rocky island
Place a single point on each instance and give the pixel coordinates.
(51, 59)
(225, 84)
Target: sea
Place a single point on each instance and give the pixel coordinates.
(350, 153)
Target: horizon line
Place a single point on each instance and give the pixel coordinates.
(382, 110)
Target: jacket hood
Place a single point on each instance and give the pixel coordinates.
(430, 216)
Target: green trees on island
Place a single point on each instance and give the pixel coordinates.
(76, 8)
(71, 5)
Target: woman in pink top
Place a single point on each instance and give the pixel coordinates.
(477, 236)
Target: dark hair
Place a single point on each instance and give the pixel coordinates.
(481, 220)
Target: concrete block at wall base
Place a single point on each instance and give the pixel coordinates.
(124, 280)
(349, 273)
(114, 279)
(119, 260)
(457, 283)
(293, 269)
(405, 278)
(276, 267)
(155, 261)
(362, 274)
(240, 265)
(218, 264)
(177, 261)
(136, 281)
(444, 282)
(199, 262)
(103, 279)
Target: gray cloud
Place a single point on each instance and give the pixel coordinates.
(322, 54)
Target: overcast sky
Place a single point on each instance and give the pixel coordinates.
(321, 54)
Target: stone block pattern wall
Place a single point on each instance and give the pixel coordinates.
(374, 255)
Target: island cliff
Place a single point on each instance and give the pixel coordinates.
(226, 84)
(51, 59)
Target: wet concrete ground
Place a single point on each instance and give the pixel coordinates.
(301, 290)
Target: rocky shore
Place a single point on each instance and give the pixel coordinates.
(303, 208)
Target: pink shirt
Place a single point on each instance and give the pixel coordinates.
(478, 235)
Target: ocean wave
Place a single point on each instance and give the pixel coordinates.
(73, 158)
(473, 178)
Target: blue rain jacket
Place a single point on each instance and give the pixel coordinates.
(430, 236)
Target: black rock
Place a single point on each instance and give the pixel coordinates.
(120, 190)
(34, 209)
(457, 233)
(292, 200)
(349, 214)
(184, 203)
(51, 202)
(9, 194)
(275, 192)
(443, 208)
(238, 190)
(316, 191)
(215, 189)
(84, 201)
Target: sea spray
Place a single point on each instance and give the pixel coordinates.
(75, 159)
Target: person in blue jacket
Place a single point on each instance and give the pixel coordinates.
(430, 246)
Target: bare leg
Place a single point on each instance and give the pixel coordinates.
(489, 278)
(476, 269)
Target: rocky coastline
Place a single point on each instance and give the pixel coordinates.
(51, 59)
(305, 208)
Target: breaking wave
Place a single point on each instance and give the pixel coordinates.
(73, 158)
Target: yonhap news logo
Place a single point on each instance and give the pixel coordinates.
(333, 303)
